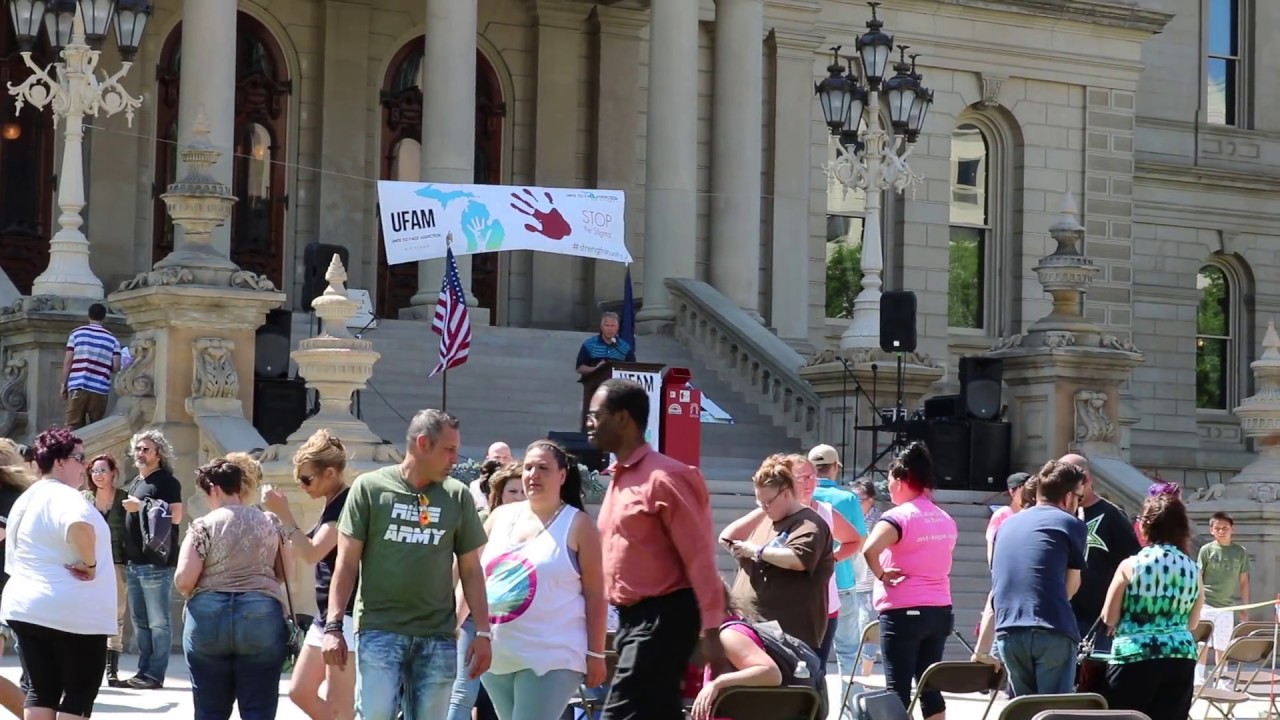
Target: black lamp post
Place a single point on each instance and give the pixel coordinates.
(131, 21)
(27, 17)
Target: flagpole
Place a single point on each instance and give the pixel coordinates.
(444, 390)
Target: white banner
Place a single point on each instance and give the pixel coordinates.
(652, 384)
(417, 217)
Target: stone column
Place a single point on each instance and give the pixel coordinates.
(792, 149)
(617, 88)
(343, 189)
(671, 156)
(448, 130)
(558, 304)
(208, 78)
(736, 138)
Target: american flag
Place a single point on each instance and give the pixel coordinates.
(451, 323)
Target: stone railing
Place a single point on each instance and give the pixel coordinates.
(753, 360)
(111, 435)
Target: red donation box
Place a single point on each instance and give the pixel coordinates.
(681, 430)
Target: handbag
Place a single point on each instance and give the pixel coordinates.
(1091, 671)
(294, 635)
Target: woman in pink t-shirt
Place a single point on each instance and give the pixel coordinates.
(909, 552)
(746, 664)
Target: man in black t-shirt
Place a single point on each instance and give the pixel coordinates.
(1109, 540)
(149, 571)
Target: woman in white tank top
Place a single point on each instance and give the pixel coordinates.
(545, 586)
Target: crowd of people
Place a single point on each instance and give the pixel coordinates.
(441, 600)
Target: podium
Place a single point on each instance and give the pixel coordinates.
(647, 374)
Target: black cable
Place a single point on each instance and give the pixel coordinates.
(386, 402)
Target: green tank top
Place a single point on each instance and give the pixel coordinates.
(1155, 618)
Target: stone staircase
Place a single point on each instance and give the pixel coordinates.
(519, 383)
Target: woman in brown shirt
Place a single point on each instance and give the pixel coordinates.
(784, 563)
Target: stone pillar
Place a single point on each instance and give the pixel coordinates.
(1065, 376)
(1252, 497)
(837, 377)
(343, 189)
(671, 157)
(448, 131)
(792, 149)
(208, 78)
(736, 138)
(617, 89)
(555, 146)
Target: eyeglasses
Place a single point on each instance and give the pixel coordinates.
(143, 450)
(78, 457)
(100, 471)
(764, 504)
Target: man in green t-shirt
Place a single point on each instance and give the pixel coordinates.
(1224, 570)
(401, 529)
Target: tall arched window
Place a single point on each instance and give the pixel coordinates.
(1215, 339)
(401, 152)
(259, 168)
(970, 228)
(26, 170)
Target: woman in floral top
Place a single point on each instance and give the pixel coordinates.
(1152, 605)
(233, 634)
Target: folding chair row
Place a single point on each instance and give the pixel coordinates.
(1059, 707)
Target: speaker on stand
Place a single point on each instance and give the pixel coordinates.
(279, 401)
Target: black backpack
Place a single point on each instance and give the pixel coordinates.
(787, 652)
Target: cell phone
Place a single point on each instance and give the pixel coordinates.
(727, 542)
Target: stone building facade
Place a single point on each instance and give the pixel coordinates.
(1151, 112)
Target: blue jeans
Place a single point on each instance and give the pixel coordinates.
(424, 666)
(912, 639)
(150, 589)
(465, 690)
(525, 695)
(1039, 661)
(849, 629)
(235, 645)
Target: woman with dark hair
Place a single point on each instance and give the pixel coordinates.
(103, 494)
(909, 553)
(1152, 606)
(745, 662)
(230, 571)
(545, 584)
(57, 602)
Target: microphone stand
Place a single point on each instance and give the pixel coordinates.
(373, 323)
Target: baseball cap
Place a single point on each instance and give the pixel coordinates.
(824, 455)
(1017, 480)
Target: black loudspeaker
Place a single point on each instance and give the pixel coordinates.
(898, 321)
(943, 406)
(577, 445)
(989, 447)
(980, 392)
(315, 259)
(279, 407)
(274, 340)
(948, 443)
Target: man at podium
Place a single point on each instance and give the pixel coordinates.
(605, 347)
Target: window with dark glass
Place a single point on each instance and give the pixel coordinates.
(1222, 66)
(26, 170)
(970, 228)
(1213, 339)
(845, 208)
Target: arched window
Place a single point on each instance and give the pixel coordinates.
(401, 153)
(259, 166)
(967, 294)
(845, 212)
(1215, 339)
(26, 170)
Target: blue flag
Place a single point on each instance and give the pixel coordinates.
(627, 323)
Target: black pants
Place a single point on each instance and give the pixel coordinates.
(828, 639)
(655, 640)
(1160, 688)
(65, 669)
(911, 640)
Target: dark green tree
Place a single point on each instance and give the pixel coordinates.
(1212, 326)
(844, 279)
(964, 284)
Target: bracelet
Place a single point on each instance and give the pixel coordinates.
(484, 634)
(760, 554)
(333, 628)
(598, 656)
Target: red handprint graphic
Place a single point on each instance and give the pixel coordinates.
(551, 223)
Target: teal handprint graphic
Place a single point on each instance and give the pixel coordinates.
(484, 233)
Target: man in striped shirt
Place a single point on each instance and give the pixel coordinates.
(92, 357)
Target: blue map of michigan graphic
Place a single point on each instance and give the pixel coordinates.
(483, 232)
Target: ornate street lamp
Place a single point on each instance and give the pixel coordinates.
(869, 158)
(73, 90)
(131, 21)
(27, 17)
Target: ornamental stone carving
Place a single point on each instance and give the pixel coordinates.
(858, 356)
(251, 281)
(1059, 339)
(35, 303)
(214, 376)
(1092, 423)
(1115, 342)
(1012, 341)
(138, 380)
(13, 396)
(159, 278)
(991, 85)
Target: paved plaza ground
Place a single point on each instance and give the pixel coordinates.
(174, 701)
